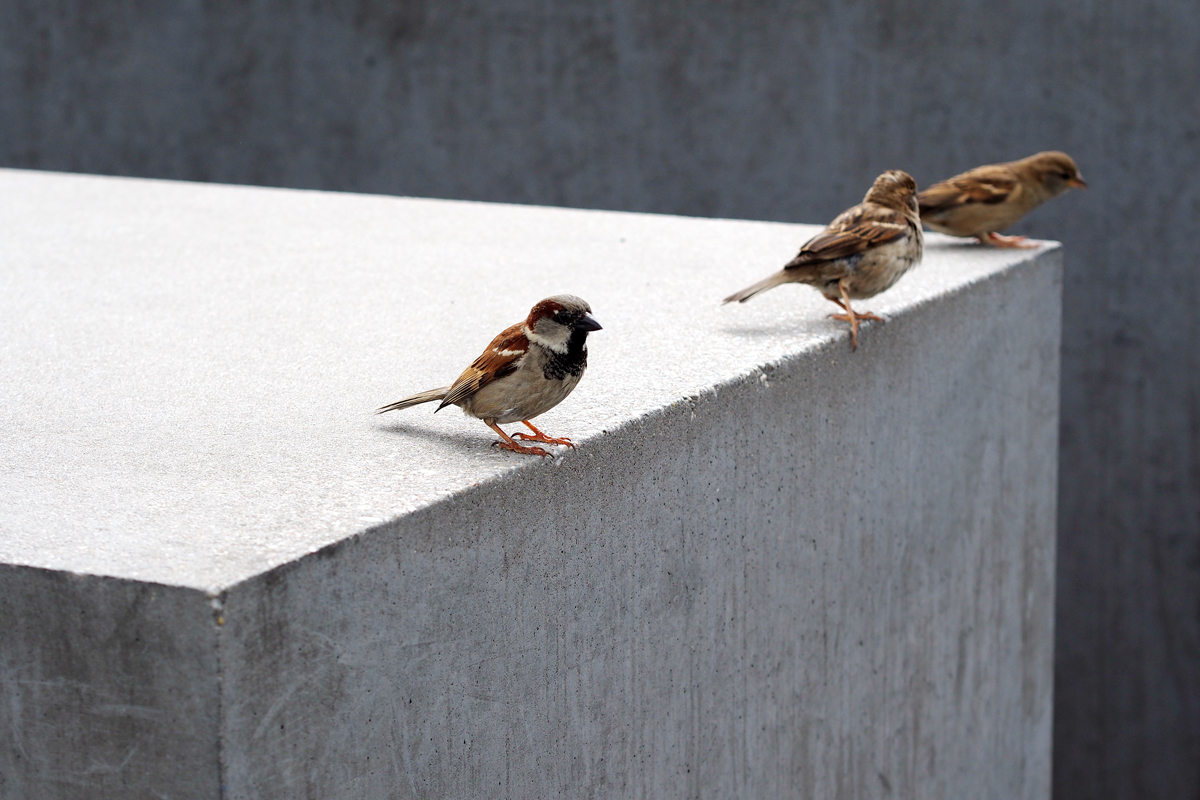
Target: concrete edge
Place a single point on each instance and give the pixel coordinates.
(377, 195)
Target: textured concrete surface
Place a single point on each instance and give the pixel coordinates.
(762, 110)
(772, 568)
(108, 688)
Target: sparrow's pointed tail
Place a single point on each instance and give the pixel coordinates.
(416, 399)
(771, 282)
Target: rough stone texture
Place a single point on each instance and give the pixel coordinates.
(108, 689)
(764, 110)
(772, 567)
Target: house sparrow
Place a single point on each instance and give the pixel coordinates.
(987, 199)
(863, 251)
(527, 370)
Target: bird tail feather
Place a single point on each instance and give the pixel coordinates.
(770, 282)
(416, 399)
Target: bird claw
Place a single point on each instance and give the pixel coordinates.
(1000, 240)
(860, 315)
(516, 448)
(543, 438)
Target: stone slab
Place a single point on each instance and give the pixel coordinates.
(772, 567)
(193, 369)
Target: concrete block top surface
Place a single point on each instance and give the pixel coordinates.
(191, 370)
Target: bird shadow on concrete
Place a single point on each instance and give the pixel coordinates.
(464, 443)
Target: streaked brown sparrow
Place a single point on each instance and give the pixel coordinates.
(863, 252)
(988, 199)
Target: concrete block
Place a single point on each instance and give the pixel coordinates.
(772, 568)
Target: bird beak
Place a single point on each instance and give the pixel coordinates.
(587, 323)
(1077, 183)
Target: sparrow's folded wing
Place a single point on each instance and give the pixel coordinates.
(854, 231)
(988, 185)
(502, 357)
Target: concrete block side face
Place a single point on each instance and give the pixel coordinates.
(833, 580)
(108, 689)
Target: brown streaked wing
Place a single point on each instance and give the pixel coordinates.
(855, 230)
(988, 185)
(499, 359)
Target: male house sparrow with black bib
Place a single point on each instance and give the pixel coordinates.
(527, 370)
(987, 199)
(862, 253)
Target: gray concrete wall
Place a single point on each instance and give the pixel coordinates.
(780, 111)
(108, 689)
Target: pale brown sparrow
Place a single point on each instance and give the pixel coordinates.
(990, 198)
(863, 252)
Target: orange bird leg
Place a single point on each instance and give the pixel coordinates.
(852, 316)
(861, 314)
(538, 436)
(999, 240)
(508, 444)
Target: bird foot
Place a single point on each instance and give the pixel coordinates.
(860, 315)
(999, 240)
(543, 438)
(516, 448)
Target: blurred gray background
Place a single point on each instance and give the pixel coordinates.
(781, 111)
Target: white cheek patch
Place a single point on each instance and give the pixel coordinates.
(557, 344)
